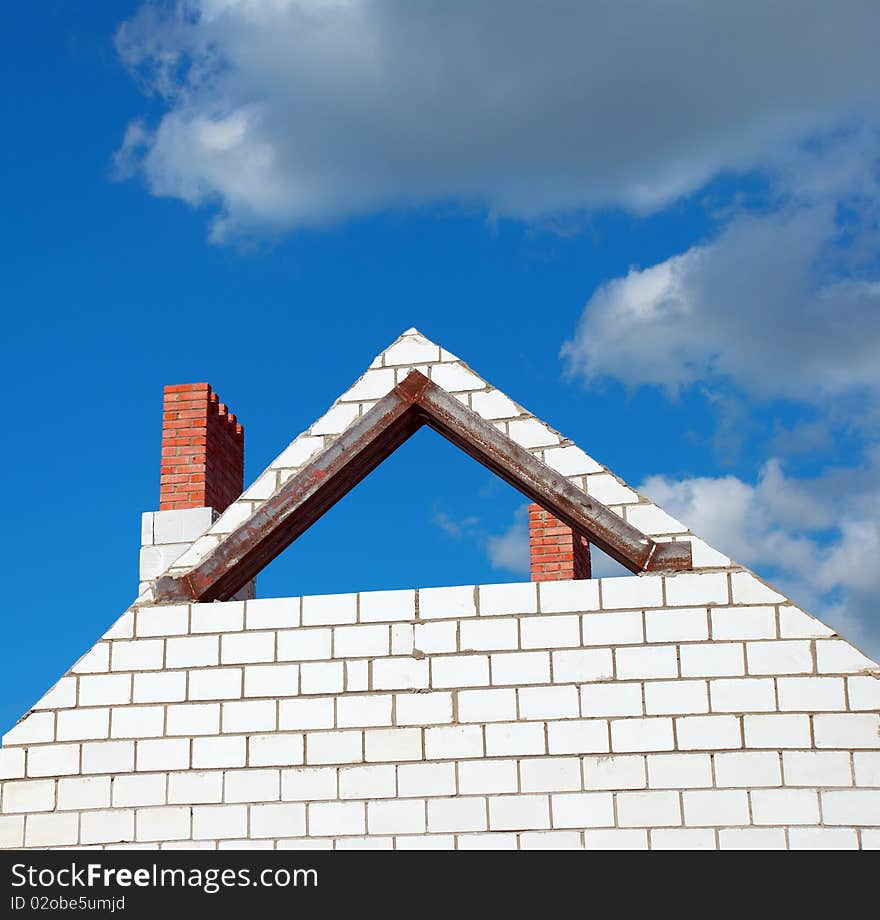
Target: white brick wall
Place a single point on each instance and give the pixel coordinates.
(569, 715)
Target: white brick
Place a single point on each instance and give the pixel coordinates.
(743, 623)
(400, 673)
(303, 714)
(834, 656)
(393, 744)
(123, 628)
(870, 839)
(487, 705)
(785, 806)
(752, 838)
(163, 754)
(867, 768)
(577, 665)
(128, 791)
(530, 432)
(137, 722)
(518, 812)
(679, 771)
(379, 606)
(373, 842)
(817, 768)
(334, 747)
(104, 689)
(249, 716)
(609, 490)
(163, 687)
(456, 815)
(296, 454)
(193, 719)
(500, 600)
(715, 807)
(252, 786)
(864, 692)
(578, 736)
(648, 809)
(570, 461)
(453, 741)
(112, 826)
(442, 603)
(412, 348)
(646, 662)
(215, 684)
(746, 589)
(278, 820)
(682, 838)
(521, 668)
(214, 822)
(163, 621)
(29, 795)
(810, 694)
(616, 839)
(569, 596)
(11, 832)
(360, 641)
(795, 624)
(550, 632)
(617, 699)
(170, 823)
(219, 752)
(83, 724)
(271, 680)
(51, 830)
(747, 768)
(550, 774)
(86, 792)
(272, 613)
(247, 648)
(852, 806)
(844, 730)
(713, 659)
(823, 838)
(329, 610)
(406, 817)
(61, 696)
(777, 731)
(327, 819)
(705, 733)
(373, 385)
(275, 749)
(455, 377)
(137, 655)
(308, 784)
(460, 671)
(363, 711)
(402, 638)
(304, 644)
(632, 591)
(11, 763)
(322, 677)
(95, 661)
(614, 772)
(548, 702)
(623, 628)
(423, 708)
(215, 618)
(335, 420)
(583, 809)
(370, 782)
(687, 624)
(492, 405)
(439, 636)
(108, 757)
(510, 738)
(745, 694)
(781, 657)
(676, 697)
(485, 635)
(192, 652)
(414, 779)
(697, 588)
(550, 840)
(482, 776)
(33, 728)
(641, 735)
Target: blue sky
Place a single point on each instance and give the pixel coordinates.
(653, 225)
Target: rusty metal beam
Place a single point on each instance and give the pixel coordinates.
(335, 471)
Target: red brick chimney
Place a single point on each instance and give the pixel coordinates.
(202, 450)
(556, 552)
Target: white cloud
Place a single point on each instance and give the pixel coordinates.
(283, 113)
(817, 540)
(510, 550)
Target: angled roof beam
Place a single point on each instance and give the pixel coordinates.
(414, 402)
